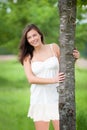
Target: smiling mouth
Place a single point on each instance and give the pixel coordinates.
(35, 42)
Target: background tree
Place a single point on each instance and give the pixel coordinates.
(67, 11)
(15, 14)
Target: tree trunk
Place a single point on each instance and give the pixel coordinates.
(67, 12)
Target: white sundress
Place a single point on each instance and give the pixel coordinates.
(44, 97)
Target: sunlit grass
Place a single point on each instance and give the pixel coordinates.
(15, 94)
(81, 98)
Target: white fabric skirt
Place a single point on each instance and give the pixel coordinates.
(45, 112)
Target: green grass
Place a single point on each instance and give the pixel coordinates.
(81, 98)
(15, 94)
(14, 97)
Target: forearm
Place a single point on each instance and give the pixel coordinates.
(38, 80)
(33, 79)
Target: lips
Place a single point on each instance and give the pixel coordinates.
(35, 42)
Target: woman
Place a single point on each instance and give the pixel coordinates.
(41, 65)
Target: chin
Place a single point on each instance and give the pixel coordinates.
(36, 44)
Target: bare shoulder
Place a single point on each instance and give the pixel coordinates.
(56, 49)
(55, 46)
(26, 59)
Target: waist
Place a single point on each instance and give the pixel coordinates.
(45, 85)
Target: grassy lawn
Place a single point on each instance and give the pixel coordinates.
(15, 94)
(81, 98)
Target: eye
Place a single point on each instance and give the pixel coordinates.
(28, 37)
(34, 35)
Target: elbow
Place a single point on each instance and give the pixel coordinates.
(31, 80)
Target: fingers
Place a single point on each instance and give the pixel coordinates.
(75, 51)
(76, 54)
(61, 77)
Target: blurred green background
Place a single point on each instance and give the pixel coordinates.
(14, 88)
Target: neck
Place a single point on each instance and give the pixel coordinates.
(39, 48)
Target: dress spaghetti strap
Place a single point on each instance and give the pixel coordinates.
(51, 46)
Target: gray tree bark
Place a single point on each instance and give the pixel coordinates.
(67, 12)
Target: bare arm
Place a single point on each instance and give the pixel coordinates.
(56, 49)
(33, 79)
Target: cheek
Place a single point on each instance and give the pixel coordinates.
(29, 40)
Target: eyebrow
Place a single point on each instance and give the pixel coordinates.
(33, 35)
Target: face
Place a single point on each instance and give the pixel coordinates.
(34, 38)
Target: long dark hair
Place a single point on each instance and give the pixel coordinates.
(24, 47)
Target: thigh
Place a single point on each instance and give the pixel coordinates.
(56, 124)
(41, 125)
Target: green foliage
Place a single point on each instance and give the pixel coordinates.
(82, 2)
(14, 17)
(17, 15)
(81, 30)
(81, 34)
